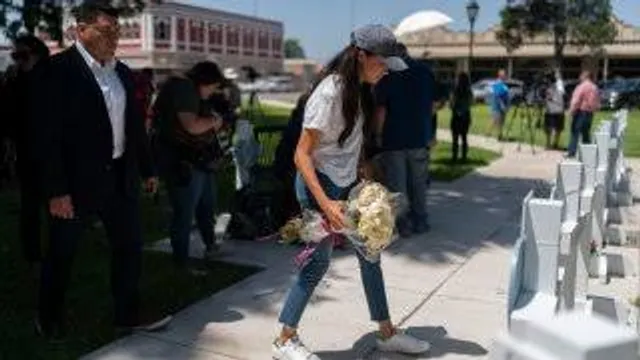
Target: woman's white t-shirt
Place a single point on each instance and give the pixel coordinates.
(323, 112)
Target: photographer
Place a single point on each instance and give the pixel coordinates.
(554, 110)
(188, 152)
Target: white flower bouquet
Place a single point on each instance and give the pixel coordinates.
(371, 212)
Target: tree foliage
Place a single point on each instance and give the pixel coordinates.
(46, 15)
(293, 49)
(582, 23)
(591, 25)
(511, 30)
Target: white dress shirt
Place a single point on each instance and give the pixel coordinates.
(114, 95)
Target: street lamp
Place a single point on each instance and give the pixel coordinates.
(472, 13)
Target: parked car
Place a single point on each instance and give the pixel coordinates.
(482, 89)
(246, 87)
(282, 84)
(621, 93)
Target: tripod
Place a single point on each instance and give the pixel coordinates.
(528, 117)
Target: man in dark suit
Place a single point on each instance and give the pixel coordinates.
(94, 150)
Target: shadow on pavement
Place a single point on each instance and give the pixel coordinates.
(441, 345)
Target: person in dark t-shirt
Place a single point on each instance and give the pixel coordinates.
(186, 139)
(404, 103)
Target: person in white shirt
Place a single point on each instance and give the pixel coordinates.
(327, 159)
(554, 111)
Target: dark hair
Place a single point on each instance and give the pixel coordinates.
(36, 46)
(463, 85)
(205, 73)
(402, 50)
(356, 97)
(89, 11)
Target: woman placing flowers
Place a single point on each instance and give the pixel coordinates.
(327, 159)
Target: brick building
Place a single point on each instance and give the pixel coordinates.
(173, 36)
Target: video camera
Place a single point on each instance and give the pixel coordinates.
(251, 73)
(534, 89)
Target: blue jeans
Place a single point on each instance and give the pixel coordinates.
(406, 172)
(311, 274)
(194, 198)
(581, 125)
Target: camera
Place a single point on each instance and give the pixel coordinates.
(251, 73)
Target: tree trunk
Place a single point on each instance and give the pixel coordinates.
(510, 64)
(559, 40)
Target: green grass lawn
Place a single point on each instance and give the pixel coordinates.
(481, 120)
(163, 289)
(441, 168)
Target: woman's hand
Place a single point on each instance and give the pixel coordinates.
(334, 211)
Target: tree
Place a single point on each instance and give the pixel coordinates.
(293, 49)
(46, 15)
(578, 22)
(591, 24)
(511, 31)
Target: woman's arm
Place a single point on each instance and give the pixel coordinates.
(304, 163)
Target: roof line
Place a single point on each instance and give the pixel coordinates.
(216, 11)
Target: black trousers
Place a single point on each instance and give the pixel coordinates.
(31, 208)
(121, 218)
(460, 123)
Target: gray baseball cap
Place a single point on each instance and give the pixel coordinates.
(379, 40)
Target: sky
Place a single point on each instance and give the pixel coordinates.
(323, 26)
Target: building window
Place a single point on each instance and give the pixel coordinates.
(201, 31)
(129, 30)
(248, 41)
(215, 34)
(263, 40)
(233, 37)
(162, 29)
(135, 31)
(193, 32)
(276, 44)
(181, 30)
(219, 38)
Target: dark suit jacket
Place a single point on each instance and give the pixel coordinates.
(74, 136)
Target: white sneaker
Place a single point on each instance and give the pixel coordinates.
(403, 343)
(292, 349)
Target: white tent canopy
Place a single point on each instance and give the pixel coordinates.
(422, 20)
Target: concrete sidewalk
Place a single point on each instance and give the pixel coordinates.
(448, 287)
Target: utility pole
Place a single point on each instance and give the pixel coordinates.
(352, 13)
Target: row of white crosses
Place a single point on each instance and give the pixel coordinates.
(550, 315)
